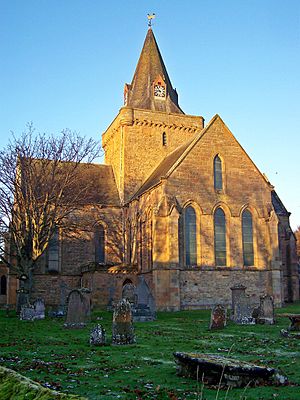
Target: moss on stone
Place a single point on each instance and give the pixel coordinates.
(14, 386)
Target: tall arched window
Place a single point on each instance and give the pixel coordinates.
(53, 252)
(164, 139)
(247, 232)
(218, 180)
(100, 244)
(190, 243)
(3, 285)
(220, 237)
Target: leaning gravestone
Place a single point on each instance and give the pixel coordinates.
(218, 317)
(39, 306)
(98, 336)
(122, 327)
(266, 310)
(78, 308)
(145, 309)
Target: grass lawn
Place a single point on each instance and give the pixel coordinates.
(63, 359)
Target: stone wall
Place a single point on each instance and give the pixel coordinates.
(208, 287)
(136, 135)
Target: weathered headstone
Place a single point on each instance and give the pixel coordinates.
(129, 293)
(145, 309)
(266, 310)
(39, 306)
(243, 312)
(241, 306)
(27, 313)
(111, 296)
(22, 299)
(219, 370)
(98, 336)
(79, 308)
(122, 327)
(218, 317)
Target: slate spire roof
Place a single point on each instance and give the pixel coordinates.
(149, 71)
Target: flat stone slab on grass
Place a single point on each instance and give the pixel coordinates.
(231, 372)
(18, 387)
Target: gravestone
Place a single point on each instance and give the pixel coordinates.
(241, 306)
(27, 313)
(78, 308)
(266, 310)
(22, 299)
(122, 327)
(129, 293)
(145, 309)
(111, 296)
(243, 312)
(218, 317)
(98, 336)
(39, 306)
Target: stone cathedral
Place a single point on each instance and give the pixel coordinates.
(177, 201)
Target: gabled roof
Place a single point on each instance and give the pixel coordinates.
(278, 205)
(171, 161)
(151, 66)
(162, 169)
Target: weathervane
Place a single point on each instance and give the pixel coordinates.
(150, 18)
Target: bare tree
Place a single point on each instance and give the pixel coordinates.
(42, 182)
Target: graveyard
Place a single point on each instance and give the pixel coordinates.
(65, 360)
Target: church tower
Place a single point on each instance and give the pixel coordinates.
(149, 126)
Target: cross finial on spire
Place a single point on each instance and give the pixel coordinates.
(150, 18)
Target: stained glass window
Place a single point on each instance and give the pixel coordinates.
(190, 243)
(100, 244)
(247, 230)
(53, 252)
(218, 181)
(220, 237)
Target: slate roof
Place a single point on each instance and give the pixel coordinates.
(162, 169)
(149, 67)
(101, 183)
(278, 205)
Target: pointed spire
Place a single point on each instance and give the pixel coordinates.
(151, 88)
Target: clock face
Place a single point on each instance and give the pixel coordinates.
(159, 91)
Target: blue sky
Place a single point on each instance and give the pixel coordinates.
(64, 63)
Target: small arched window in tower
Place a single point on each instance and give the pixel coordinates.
(99, 244)
(53, 252)
(190, 243)
(164, 139)
(218, 180)
(220, 237)
(3, 285)
(247, 232)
